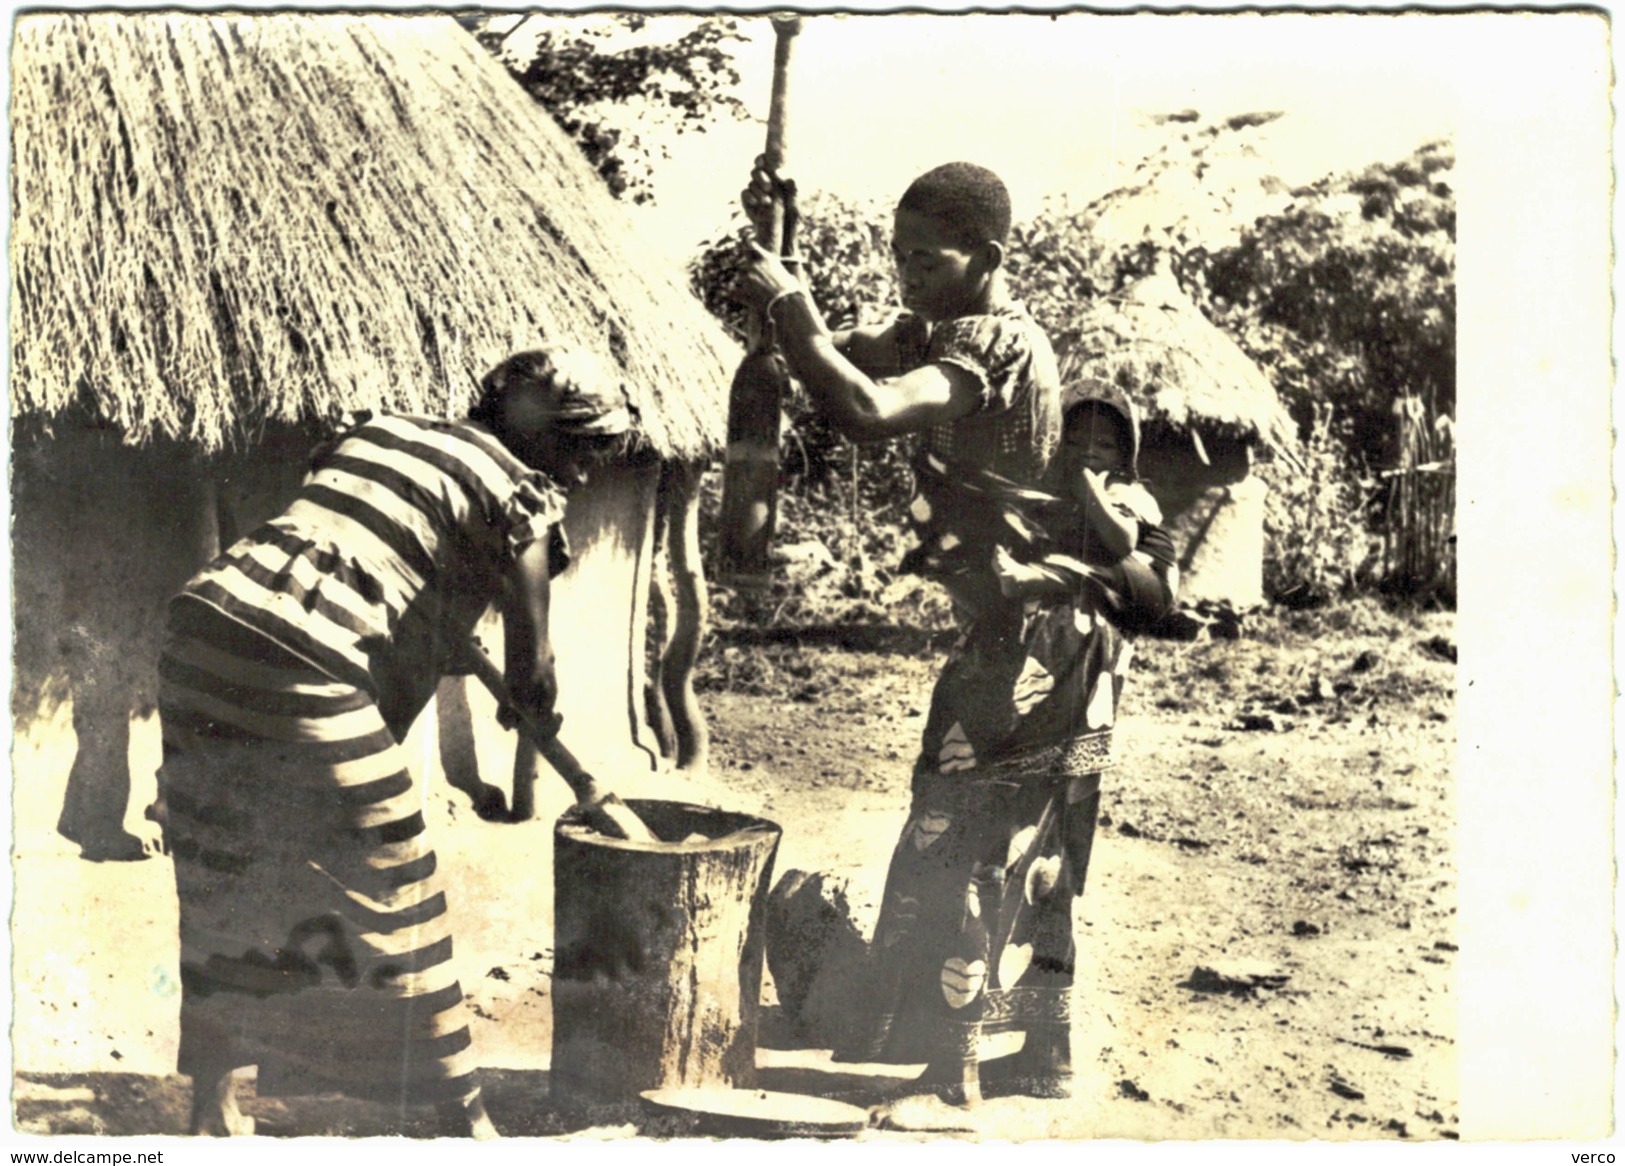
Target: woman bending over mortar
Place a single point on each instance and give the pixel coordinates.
(314, 936)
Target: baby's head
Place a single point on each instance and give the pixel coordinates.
(948, 238)
(1099, 430)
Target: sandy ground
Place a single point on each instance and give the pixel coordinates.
(1267, 943)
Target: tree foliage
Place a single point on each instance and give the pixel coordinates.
(844, 244)
(845, 249)
(1318, 545)
(1345, 298)
(604, 75)
(1348, 297)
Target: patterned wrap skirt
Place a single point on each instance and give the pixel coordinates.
(974, 936)
(314, 937)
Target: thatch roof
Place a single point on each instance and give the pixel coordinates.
(1179, 367)
(221, 221)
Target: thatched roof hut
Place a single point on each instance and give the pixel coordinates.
(228, 231)
(1208, 408)
(1181, 369)
(221, 222)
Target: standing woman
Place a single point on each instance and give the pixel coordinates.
(974, 936)
(314, 937)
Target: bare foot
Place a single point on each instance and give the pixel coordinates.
(1042, 1068)
(215, 1112)
(955, 1083)
(489, 802)
(467, 1119)
(120, 846)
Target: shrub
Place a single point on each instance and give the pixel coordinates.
(1348, 297)
(835, 563)
(1345, 299)
(1316, 539)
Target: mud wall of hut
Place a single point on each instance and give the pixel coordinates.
(1214, 508)
(103, 534)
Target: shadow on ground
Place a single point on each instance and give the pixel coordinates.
(520, 1102)
(132, 1104)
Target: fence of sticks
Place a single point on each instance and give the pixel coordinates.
(1419, 534)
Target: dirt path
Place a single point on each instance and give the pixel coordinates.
(1267, 943)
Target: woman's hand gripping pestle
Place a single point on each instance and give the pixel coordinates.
(603, 811)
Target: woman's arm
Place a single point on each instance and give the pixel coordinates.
(860, 406)
(843, 374)
(872, 350)
(528, 653)
(885, 351)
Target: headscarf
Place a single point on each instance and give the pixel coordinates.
(1104, 394)
(581, 396)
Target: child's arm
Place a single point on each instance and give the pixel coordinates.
(1116, 532)
(1019, 580)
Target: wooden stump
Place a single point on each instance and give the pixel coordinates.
(658, 953)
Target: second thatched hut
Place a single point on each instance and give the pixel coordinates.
(228, 231)
(1209, 413)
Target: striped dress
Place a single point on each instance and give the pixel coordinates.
(314, 938)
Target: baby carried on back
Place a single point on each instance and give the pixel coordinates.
(1098, 528)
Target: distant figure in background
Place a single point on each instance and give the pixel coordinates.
(975, 933)
(314, 938)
